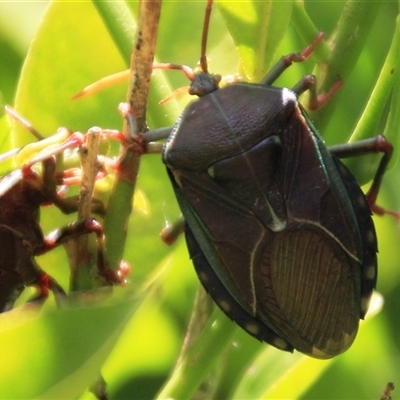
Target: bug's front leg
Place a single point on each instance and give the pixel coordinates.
(286, 61)
(84, 227)
(68, 204)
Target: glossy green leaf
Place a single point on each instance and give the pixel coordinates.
(257, 28)
(385, 90)
(59, 64)
(68, 346)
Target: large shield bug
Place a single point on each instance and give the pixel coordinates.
(278, 229)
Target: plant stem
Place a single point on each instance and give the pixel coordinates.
(120, 203)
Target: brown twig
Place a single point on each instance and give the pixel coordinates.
(119, 206)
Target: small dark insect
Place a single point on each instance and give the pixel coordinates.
(23, 192)
(278, 229)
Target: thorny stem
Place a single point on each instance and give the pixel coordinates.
(77, 248)
(120, 204)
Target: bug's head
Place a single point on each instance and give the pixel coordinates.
(204, 83)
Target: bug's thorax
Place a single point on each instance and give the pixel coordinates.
(218, 124)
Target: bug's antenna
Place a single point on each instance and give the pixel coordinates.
(203, 57)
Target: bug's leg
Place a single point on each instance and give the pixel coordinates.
(308, 82)
(30, 274)
(46, 283)
(83, 227)
(143, 142)
(48, 183)
(51, 178)
(378, 144)
(286, 61)
(19, 269)
(151, 138)
(69, 204)
(135, 142)
(147, 144)
(316, 101)
(55, 144)
(171, 232)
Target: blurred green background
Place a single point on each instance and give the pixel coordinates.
(135, 340)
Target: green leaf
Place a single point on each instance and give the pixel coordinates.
(67, 346)
(386, 86)
(257, 28)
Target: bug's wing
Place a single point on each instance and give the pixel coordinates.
(224, 238)
(266, 233)
(310, 288)
(214, 218)
(221, 295)
(326, 257)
